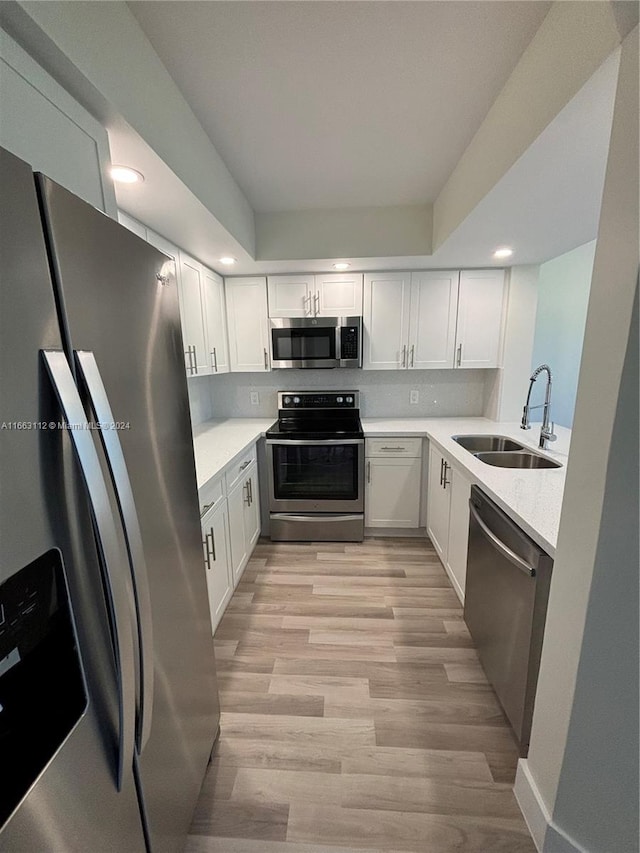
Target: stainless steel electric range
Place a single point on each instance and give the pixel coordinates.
(315, 452)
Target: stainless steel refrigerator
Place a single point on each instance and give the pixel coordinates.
(108, 696)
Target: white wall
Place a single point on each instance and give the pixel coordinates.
(200, 402)
(578, 788)
(383, 393)
(563, 297)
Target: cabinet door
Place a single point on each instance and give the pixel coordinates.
(386, 320)
(251, 508)
(236, 500)
(190, 292)
(432, 328)
(392, 497)
(215, 321)
(216, 549)
(339, 294)
(291, 295)
(480, 312)
(248, 324)
(458, 531)
(438, 504)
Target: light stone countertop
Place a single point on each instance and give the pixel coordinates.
(216, 443)
(532, 498)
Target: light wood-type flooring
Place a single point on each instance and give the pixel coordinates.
(355, 714)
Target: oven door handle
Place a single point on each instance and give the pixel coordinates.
(301, 442)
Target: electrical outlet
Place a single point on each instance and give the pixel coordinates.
(255, 398)
(414, 396)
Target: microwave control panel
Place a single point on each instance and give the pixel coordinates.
(349, 342)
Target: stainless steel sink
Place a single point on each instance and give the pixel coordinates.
(486, 443)
(522, 459)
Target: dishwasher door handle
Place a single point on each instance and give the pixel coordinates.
(500, 546)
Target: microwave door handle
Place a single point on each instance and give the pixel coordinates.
(90, 373)
(109, 548)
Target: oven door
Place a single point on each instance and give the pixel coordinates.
(305, 343)
(316, 476)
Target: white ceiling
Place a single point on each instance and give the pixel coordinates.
(340, 104)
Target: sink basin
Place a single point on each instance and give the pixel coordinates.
(486, 443)
(517, 460)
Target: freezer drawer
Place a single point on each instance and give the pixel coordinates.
(507, 589)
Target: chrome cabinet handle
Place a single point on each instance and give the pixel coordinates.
(250, 485)
(368, 472)
(195, 360)
(99, 400)
(500, 546)
(266, 360)
(404, 355)
(412, 354)
(190, 366)
(205, 549)
(110, 552)
(445, 482)
(392, 448)
(316, 303)
(205, 509)
(246, 497)
(459, 359)
(245, 465)
(214, 364)
(441, 469)
(211, 552)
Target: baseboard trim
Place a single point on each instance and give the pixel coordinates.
(395, 532)
(547, 836)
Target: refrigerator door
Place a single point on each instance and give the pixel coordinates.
(120, 304)
(60, 686)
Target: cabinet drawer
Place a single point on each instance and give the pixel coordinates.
(394, 446)
(235, 471)
(211, 494)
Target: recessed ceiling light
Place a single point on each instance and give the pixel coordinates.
(503, 252)
(227, 260)
(342, 265)
(126, 175)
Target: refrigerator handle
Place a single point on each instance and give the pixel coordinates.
(109, 548)
(139, 576)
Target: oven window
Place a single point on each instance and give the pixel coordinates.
(315, 472)
(311, 343)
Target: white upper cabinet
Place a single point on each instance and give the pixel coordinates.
(291, 295)
(193, 333)
(133, 225)
(480, 313)
(386, 320)
(338, 295)
(215, 321)
(326, 295)
(248, 323)
(432, 327)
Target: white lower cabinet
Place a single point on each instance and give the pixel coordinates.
(448, 516)
(393, 470)
(230, 521)
(215, 541)
(244, 519)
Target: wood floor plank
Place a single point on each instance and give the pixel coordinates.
(355, 713)
(407, 830)
(282, 755)
(423, 763)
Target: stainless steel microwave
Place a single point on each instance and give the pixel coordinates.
(316, 342)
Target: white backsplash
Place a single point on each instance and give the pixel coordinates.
(200, 402)
(383, 393)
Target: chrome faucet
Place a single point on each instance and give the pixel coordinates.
(546, 431)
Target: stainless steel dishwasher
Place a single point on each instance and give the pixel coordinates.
(505, 607)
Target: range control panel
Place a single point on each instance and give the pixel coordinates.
(318, 400)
